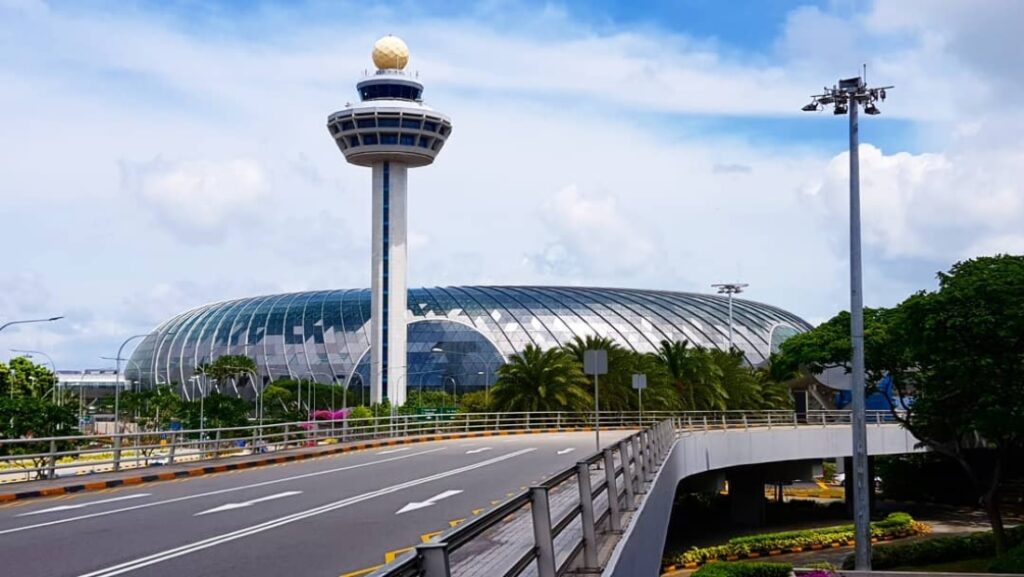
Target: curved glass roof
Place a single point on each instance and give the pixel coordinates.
(323, 335)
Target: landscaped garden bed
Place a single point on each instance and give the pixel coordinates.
(894, 526)
(939, 550)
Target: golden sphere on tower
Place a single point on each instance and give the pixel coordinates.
(390, 53)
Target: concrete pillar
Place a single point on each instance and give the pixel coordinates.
(746, 496)
(388, 284)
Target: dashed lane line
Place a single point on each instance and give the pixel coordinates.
(288, 519)
(217, 492)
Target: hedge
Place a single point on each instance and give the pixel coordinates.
(744, 569)
(938, 550)
(895, 525)
(1011, 562)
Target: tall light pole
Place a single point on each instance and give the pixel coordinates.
(29, 354)
(25, 322)
(847, 98)
(117, 382)
(730, 289)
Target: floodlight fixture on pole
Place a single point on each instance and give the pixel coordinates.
(847, 98)
(730, 289)
(27, 321)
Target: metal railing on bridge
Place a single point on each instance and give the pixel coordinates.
(30, 458)
(536, 531)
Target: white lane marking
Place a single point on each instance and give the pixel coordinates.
(243, 504)
(429, 502)
(475, 451)
(288, 519)
(390, 451)
(80, 505)
(217, 492)
(565, 451)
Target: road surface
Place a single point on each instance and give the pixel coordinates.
(329, 516)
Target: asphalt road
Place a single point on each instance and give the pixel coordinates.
(329, 516)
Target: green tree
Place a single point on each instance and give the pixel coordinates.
(152, 409)
(218, 411)
(695, 375)
(30, 417)
(539, 380)
(235, 370)
(963, 366)
(615, 388)
(20, 377)
(475, 402)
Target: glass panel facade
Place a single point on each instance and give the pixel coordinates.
(457, 336)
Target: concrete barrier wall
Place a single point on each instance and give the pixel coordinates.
(638, 553)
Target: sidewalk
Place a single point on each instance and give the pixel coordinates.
(136, 476)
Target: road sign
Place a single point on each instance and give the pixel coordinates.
(639, 381)
(595, 362)
(438, 413)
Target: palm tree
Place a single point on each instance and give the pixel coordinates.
(538, 380)
(615, 387)
(694, 374)
(737, 379)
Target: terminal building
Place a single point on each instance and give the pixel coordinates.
(457, 336)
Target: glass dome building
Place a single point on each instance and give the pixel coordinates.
(457, 336)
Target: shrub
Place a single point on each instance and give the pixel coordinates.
(744, 569)
(1011, 562)
(938, 550)
(895, 525)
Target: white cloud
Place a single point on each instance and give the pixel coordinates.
(198, 200)
(564, 149)
(592, 236)
(932, 206)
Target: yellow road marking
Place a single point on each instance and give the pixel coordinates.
(477, 511)
(456, 522)
(428, 537)
(392, 555)
(822, 485)
(361, 572)
(495, 502)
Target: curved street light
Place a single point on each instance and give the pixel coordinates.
(27, 321)
(117, 381)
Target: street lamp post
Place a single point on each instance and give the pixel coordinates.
(56, 383)
(848, 97)
(27, 321)
(117, 382)
(730, 289)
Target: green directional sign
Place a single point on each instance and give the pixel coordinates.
(436, 413)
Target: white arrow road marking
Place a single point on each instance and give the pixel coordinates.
(243, 504)
(390, 451)
(475, 451)
(216, 492)
(429, 502)
(80, 505)
(564, 451)
(288, 519)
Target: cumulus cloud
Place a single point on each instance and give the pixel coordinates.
(593, 235)
(198, 200)
(933, 205)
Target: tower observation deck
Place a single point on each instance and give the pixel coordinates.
(389, 130)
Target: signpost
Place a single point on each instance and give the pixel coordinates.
(595, 362)
(640, 383)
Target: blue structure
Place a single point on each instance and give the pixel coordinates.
(457, 336)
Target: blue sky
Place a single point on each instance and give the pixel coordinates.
(159, 156)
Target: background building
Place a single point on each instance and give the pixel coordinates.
(457, 336)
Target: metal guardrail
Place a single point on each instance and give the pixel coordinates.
(50, 457)
(627, 465)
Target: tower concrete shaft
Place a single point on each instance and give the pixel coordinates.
(389, 130)
(388, 284)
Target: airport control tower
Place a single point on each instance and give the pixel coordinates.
(390, 130)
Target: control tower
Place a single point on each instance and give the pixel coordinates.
(389, 130)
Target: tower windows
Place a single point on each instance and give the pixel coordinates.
(411, 123)
(347, 125)
(430, 126)
(369, 139)
(407, 140)
(388, 122)
(366, 123)
(389, 137)
(353, 140)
